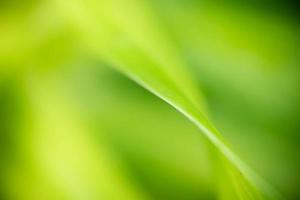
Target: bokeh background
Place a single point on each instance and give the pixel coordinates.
(72, 127)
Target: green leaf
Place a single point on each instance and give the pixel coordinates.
(127, 36)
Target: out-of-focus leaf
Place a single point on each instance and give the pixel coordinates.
(63, 150)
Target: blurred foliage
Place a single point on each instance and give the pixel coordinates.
(80, 116)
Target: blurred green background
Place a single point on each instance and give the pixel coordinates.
(71, 127)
